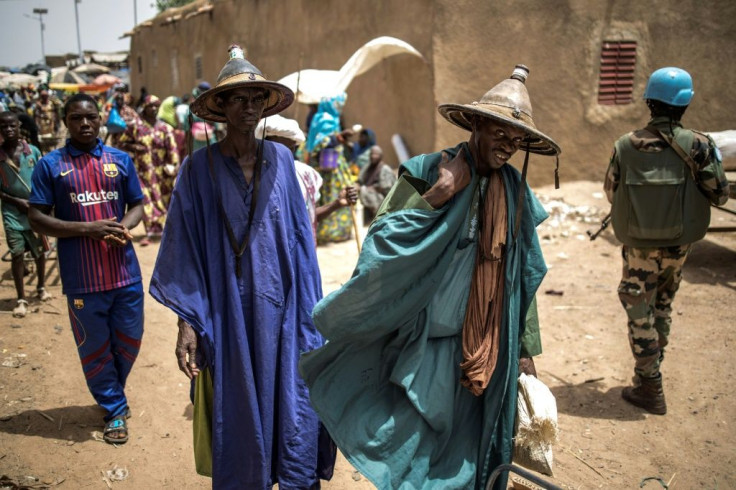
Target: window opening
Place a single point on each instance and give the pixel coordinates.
(616, 83)
(198, 67)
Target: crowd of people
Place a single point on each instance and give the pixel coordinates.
(159, 133)
(411, 367)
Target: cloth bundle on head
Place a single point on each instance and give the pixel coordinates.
(241, 73)
(326, 120)
(167, 111)
(280, 126)
(150, 100)
(202, 87)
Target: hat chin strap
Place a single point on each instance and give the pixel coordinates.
(522, 195)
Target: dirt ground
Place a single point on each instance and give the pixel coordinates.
(49, 424)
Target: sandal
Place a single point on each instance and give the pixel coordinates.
(20, 310)
(118, 427)
(145, 241)
(43, 295)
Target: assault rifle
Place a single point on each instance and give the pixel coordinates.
(604, 224)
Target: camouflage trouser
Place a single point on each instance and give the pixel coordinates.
(651, 277)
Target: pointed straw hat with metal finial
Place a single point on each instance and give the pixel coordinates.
(509, 103)
(241, 73)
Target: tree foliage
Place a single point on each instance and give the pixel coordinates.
(162, 5)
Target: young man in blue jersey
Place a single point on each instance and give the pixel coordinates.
(96, 199)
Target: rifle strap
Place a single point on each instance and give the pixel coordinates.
(678, 149)
(11, 165)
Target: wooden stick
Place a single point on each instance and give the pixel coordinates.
(47, 417)
(584, 462)
(345, 181)
(355, 227)
(296, 95)
(673, 477)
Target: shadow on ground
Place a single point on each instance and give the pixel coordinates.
(711, 263)
(591, 400)
(73, 423)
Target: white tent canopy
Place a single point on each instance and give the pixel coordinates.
(314, 84)
(65, 75)
(91, 69)
(17, 80)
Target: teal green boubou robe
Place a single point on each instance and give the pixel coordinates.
(386, 384)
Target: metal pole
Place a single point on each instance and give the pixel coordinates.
(40, 13)
(43, 51)
(79, 41)
(135, 13)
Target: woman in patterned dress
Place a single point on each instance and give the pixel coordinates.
(324, 147)
(167, 115)
(156, 158)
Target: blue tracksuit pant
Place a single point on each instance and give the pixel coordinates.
(108, 327)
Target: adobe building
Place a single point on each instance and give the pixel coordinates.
(589, 62)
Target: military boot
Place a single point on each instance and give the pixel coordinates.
(647, 395)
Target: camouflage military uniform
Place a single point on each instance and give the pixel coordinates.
(650, 279)
(651, 276)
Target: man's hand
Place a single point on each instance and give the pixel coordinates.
(345, 135)
(186, 349)
(454, 176)
(109, 231)
(526, 366)
(22, 205)
(347, 196)
(104, 228)
(118, 240)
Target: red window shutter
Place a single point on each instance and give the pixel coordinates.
(616, 82)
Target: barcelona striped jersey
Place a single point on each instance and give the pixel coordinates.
(89, 186)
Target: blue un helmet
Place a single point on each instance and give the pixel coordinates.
(671, 85)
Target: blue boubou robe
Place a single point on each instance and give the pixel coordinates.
(251, 329)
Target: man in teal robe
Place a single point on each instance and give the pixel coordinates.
(387, 383)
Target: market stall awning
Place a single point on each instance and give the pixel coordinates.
(91, 69)
(105, 79)
(18, 80)
(64, 75)
(86, 88)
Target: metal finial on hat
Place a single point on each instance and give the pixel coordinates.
(236, 51)
(520, 73)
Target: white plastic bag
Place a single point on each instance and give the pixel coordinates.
(536, 425)
(726, 142)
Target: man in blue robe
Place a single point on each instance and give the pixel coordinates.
(417, 382)
(237, 264)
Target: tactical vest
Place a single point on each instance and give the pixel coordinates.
(657, 202)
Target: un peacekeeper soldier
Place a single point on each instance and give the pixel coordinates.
(661, 181)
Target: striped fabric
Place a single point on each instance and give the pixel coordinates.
(87, 187)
